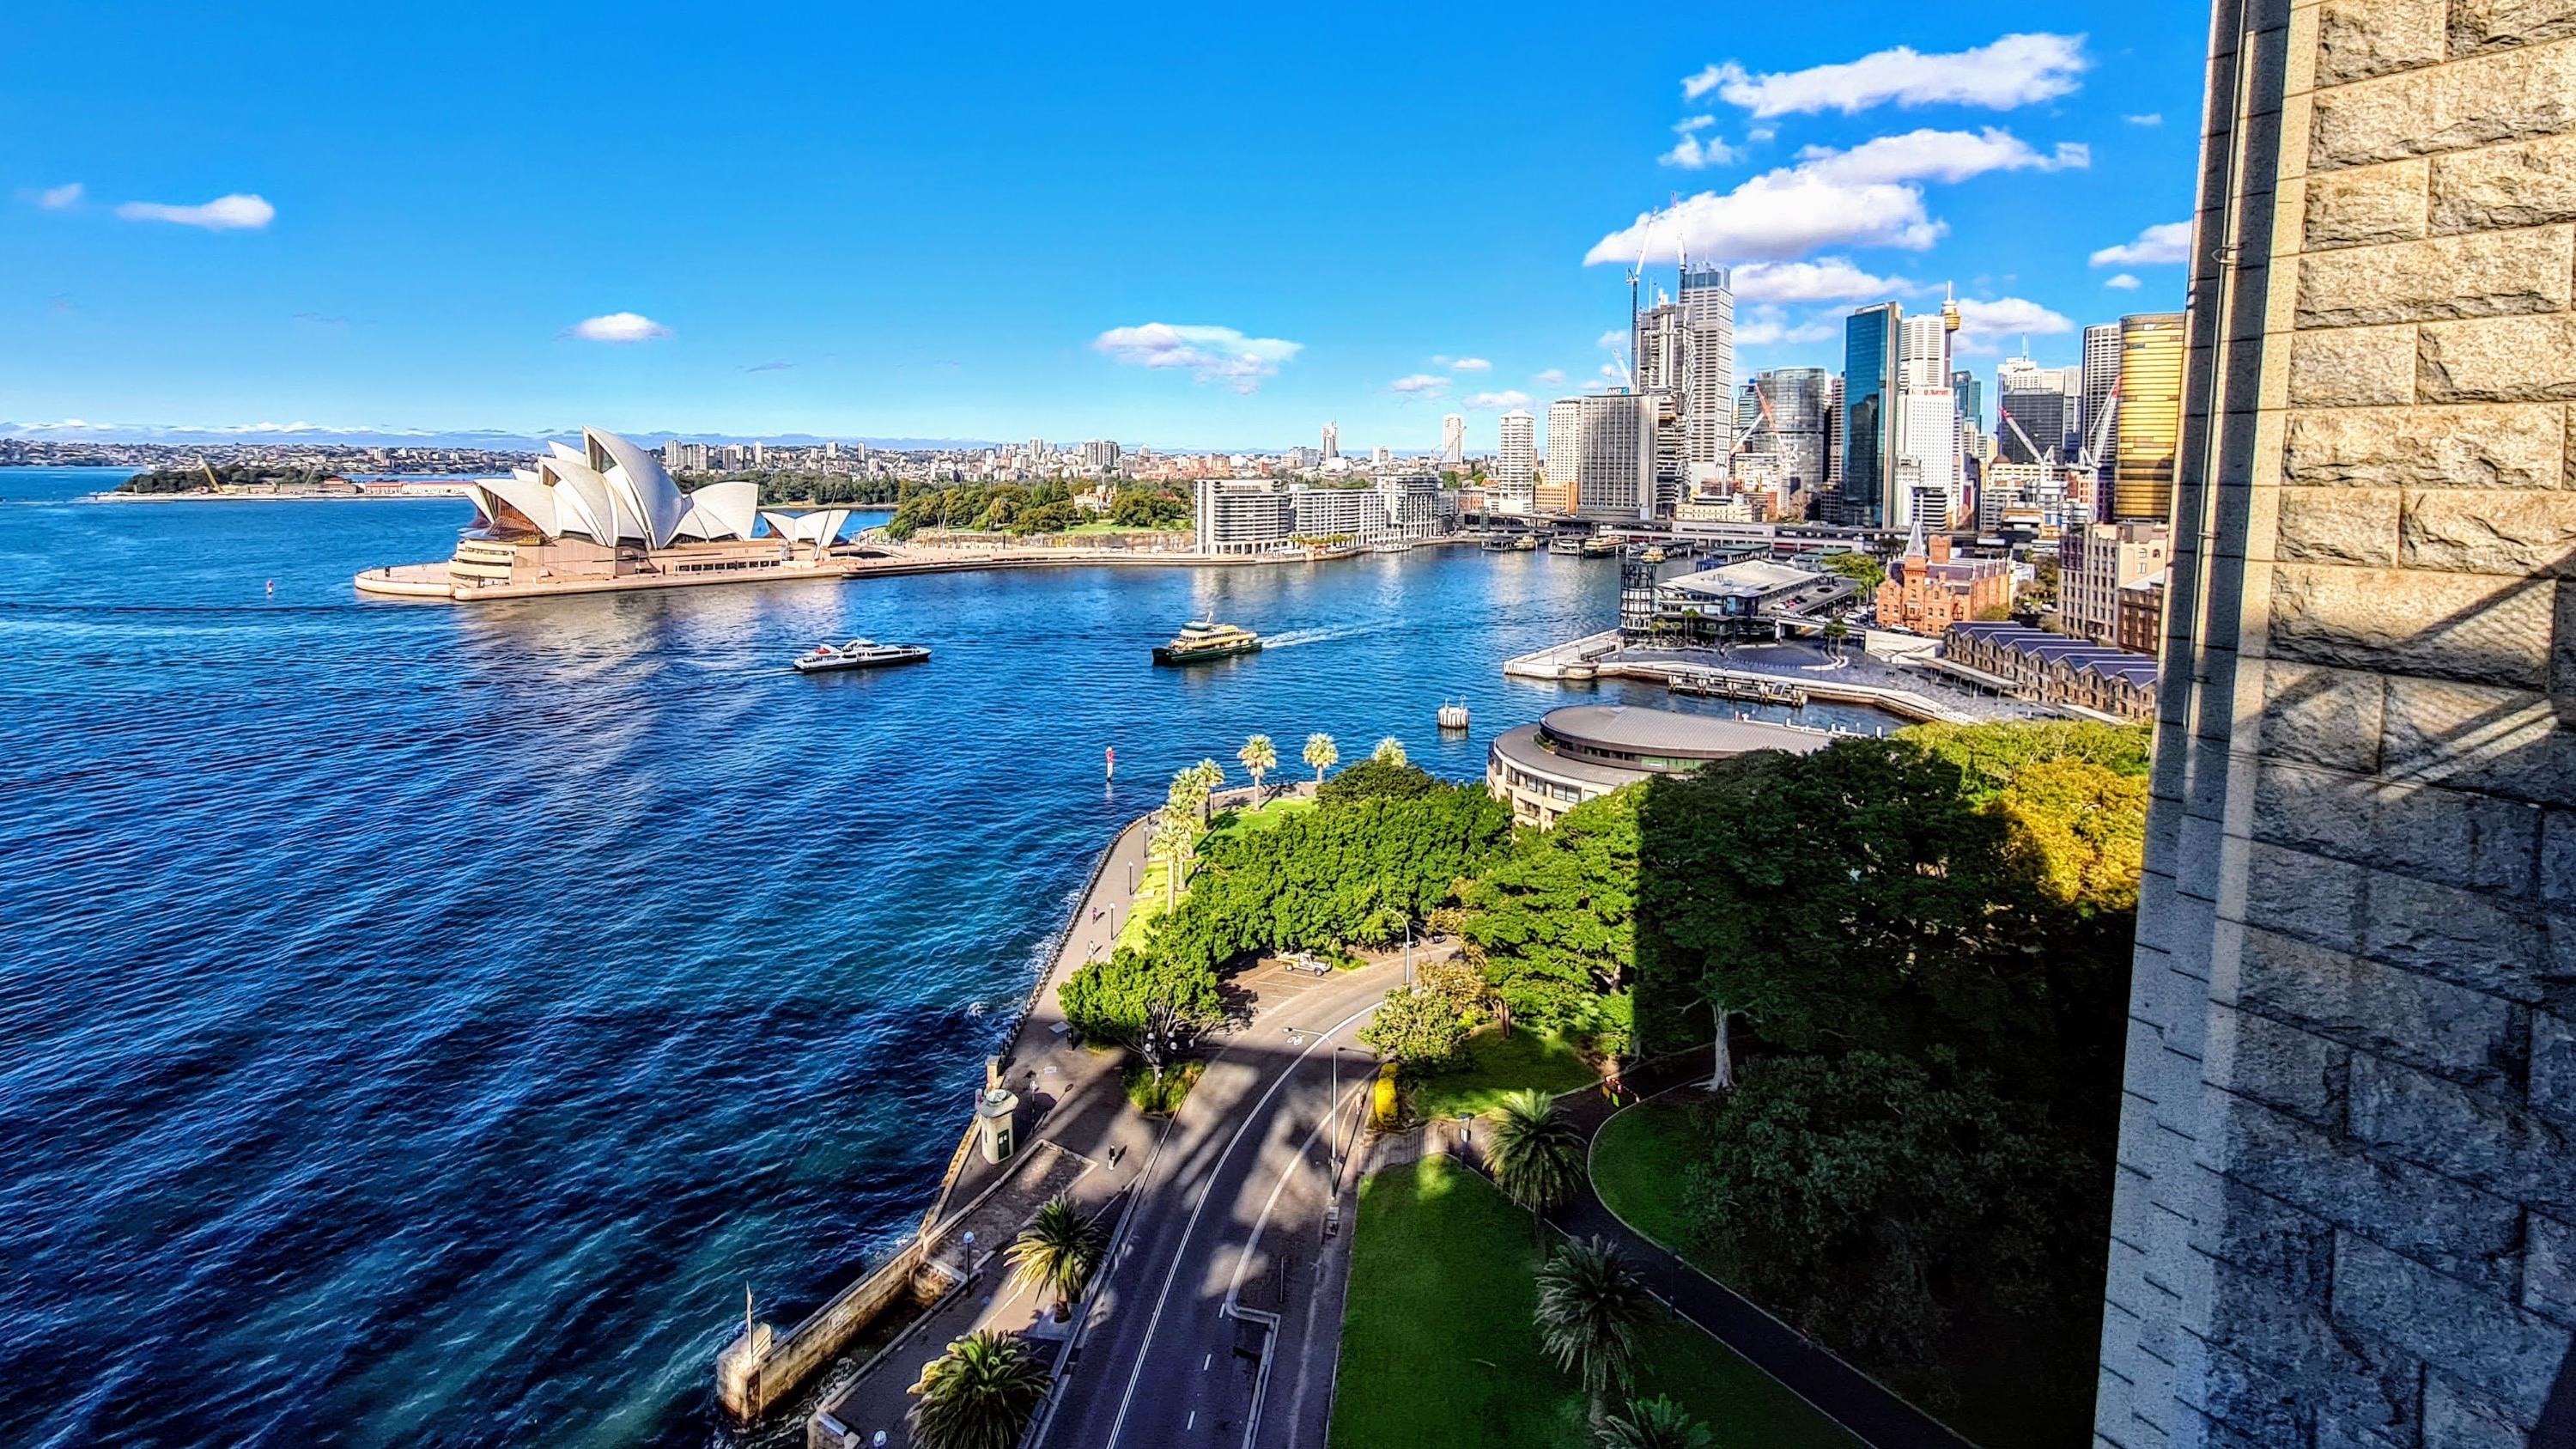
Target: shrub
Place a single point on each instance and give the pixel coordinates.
(1160, 1093)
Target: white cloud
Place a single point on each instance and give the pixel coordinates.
(1929, 155)
(60, 198)
(237, 212)
(1553, 377)
(1778, 214)
(1421, 384)
(1694, 154)
(1616, 337)
(1983, 325)
(2016, 70)
(1688, 124)
(1471, 364)
(1495, 401)
(1865, 196)
(1826, 279)
(2123, 282)
(2159, 245)
(617, 327)
(1212, 354)
(1769, 326)
(2151, 118)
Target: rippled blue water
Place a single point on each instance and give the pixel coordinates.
(418, 1022)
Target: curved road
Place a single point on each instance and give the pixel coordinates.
(1227, 1240)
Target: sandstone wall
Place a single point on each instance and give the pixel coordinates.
(2346, 1212)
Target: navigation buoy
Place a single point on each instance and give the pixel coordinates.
(1110, 758)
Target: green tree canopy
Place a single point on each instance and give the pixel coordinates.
(1859, 567)
(1375, 779)
(1874, 1205)
(1552, 921)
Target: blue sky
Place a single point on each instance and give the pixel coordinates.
(928, 221)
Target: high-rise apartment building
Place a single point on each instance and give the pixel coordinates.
(2101, 394)
(1099, 455)
(1332, 441)
(2151, 358)
(1508, 488)
(1614, 456)
(1708, 366)
(1453, 439)
(1556, 493)
(1869, 415)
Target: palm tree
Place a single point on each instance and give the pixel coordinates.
(1656, 1423)
(1211, 777)
(1259, 756)
(1056, 1254)
(1537, 1153)
(980, 1394)
(1323, 754)
(1390, 751)
(1172, 838)
(1592, 1314)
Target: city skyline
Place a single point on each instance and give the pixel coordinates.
(215, 261)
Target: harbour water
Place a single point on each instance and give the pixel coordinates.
(418, 1022)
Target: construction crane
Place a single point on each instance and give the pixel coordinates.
(2091, 458)
(2037, 453)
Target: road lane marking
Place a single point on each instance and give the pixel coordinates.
(1181, 1252)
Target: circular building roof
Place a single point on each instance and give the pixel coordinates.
(1631, 730)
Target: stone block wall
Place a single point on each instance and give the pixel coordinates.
(2346, 1208)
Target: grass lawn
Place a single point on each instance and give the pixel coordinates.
(1252, 822)
(1438, 1347)
(1640, 1165)
(1495, 1064)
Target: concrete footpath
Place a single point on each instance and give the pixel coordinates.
(1842, 1393)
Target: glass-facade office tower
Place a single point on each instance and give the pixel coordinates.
(1708, 368)
(1800, 410)
(1971, 396)
(2031, 420)
(1869, 414)
(2142, 485)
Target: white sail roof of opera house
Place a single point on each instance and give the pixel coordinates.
(610, 492)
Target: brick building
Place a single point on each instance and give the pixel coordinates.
(1928, 590)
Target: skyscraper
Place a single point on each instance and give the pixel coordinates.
(2030, 420)
(1332, 441)
(1660, 343)
(1794, 412)
(1515, 464)
(1708, 368)
(1556, 494)
(1453, 439)
(1869, 415)
(2151, 358)
(1927, 476)
(1614, 464)
(2101, 382)
(1971, 395)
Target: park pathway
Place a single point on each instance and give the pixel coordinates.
(1842, 1393)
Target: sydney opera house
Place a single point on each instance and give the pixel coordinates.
(608, 515)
